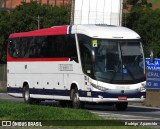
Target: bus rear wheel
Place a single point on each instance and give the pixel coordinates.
(121, 106)
(76, 103)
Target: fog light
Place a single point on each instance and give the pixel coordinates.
(142, 97)
(99, 96)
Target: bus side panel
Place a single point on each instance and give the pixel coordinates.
(46, 80)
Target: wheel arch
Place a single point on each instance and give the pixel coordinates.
(74, 85)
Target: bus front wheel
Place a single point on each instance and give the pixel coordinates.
(121, 106)
(76, 103)
(27, 98)
(26, 94)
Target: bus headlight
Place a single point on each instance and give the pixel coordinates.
(142, 88)
(99, 87)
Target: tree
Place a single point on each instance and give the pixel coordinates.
(4, 32)
(25, 18)
(145, 21)
(132, 2)
(141, 3)
(149, 28)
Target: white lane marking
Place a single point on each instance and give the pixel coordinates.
(147, 107)
(122, 116)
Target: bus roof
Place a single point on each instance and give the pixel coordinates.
(95, 31)
(105, 31)
(56, 30)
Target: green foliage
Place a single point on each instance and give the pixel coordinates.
(4, 31)
(145, 21)
(25, 18)
(140, 3)
(149, 28)
(132, 2)
(155, 3)
(21, 111)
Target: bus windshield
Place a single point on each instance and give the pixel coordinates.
(118, 61)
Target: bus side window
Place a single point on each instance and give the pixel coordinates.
(60, 45)
(86, 59)
(32, 48)
(44, 50)
(11, 47)
(71, 49)
(14, 49)
(24, 48)
(55, 46)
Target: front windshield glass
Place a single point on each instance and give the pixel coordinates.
(118, 61)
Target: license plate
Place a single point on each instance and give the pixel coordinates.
(122, 98)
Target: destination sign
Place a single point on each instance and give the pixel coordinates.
(153, 73)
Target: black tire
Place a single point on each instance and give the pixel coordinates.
(121, 106)
(76, 103)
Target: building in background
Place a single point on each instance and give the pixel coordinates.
(98, 12)
(11, 4)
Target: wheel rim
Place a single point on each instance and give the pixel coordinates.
(76, 100)
(26, 95)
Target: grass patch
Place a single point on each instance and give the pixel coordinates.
(23, 112)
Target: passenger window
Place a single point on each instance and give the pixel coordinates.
(71, 49)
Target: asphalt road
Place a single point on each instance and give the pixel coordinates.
(132, 114)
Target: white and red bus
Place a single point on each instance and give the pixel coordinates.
(77, 64)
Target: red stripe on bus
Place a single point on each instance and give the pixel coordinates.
(57, 30)
(11, 59)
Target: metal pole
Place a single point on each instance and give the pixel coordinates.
(121, 12)
(72, 12)
(55, 2)
(0, 3)
(4, 3)
(38, 22)
(63, 2)
(11, 3)
(47, 2)
(39, 1)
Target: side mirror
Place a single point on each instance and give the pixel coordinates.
(151, 53)
(151, 56)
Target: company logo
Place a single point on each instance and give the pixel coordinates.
(6, 123)
(20, 123)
